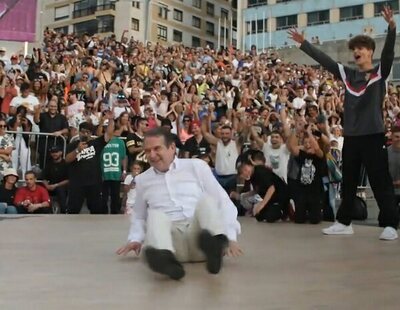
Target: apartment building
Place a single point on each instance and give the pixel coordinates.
(191, 22)
(265, 22)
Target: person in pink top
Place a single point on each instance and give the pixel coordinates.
(185, 132)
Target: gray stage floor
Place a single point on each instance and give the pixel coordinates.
(68, 262)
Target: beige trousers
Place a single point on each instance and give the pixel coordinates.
(181, 237)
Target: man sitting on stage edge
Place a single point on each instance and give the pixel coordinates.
(181, 213)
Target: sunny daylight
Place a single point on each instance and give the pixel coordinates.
(198, 154)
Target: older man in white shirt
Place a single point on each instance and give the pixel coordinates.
(181, 213)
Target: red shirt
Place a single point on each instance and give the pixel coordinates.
(39, 195)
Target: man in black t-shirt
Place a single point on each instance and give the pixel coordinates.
(265, 182)
(83, 157)
(271, 191)
(134, 142)
(196, 145)
(55, 177)
(50, 122)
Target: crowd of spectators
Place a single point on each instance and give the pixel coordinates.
(270, 130)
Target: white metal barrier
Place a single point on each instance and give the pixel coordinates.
(28, 145)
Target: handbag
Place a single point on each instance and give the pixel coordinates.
(108, 84)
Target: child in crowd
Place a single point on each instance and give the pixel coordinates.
(129, 198)
(310, 158)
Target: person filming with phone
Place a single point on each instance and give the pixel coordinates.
(83, 157)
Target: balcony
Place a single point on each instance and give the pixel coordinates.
(91, 10)
(105, 28)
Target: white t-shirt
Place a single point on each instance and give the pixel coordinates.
(162, 109)
(225, 158)
(298, 103)
(29, 102)
(119, 110)
(277, 159)
(273, 98)
(131, 196)
(75, 108)
(80, 118)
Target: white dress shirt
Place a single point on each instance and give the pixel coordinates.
(176, 193)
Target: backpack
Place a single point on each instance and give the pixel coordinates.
(360, 211)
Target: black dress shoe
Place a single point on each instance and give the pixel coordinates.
(164, 262)
(213, 247)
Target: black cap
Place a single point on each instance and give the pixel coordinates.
(86, 125)
(55, 148)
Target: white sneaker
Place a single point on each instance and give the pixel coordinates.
(338, 229)
(389, 233)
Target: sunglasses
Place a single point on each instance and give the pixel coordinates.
(3, 126)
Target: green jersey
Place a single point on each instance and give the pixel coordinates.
(111, 159)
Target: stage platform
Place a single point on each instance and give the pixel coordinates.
(69, 262)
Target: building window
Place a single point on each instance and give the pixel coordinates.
(351, 12)
(162, 32)
(210, 28)
(84, 8)
(84, 4)
(196, 22)
(178, 15)
(197, 3)
(163, 12)
(210, 44)
(105, 5)
(89, 27)
(258, 26)
(378, 7)
(63, 30)
(256, 2)
(285, 22)
(282, 1)
(61, 12)
(261, 25)
(135, 24)
(210, 9)
(396, 71)
(177, 36)
(224, 14)
(136, 4)
(226, 30)
(196, 42)
(106, 23)
(317, 18)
